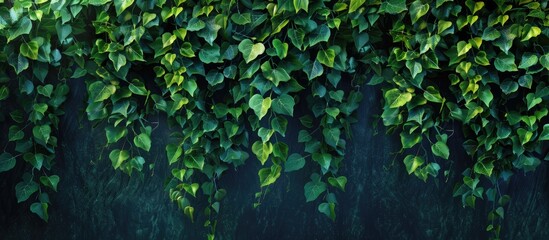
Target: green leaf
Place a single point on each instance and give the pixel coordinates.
(29, 49)
(191, 188)
(50, 181)
(194, 161)
(189, 212)
(179, 173)
(268, 176)
(230, 72)
(25, 189)
(412, 163)
(321, 34)
(331, 136)
(530, 32)
(328, 209)
(484, 168)
(249, 50)
(214, 78)
(313, 70)
(19, 63)
(241, 19)
(395, 98)
(7, 162)
(262, 150)
(505, 63)
(168, 39)
(40, 209)
(414, 67)
(134, 53)
(433, 95)
(115, 133)
(186, 50)
(4, 92)
(326, 57)
(209, 33)
(430, 43)
(417, 10)
(304, 136)
(441, 149)
(280, 48)
(332, 111)
(314, 188)
(532, 100)
(284, 104)
(528, 60)
(338, 182)
(210, 54)
(409, 140)
(260, 105)
(486, 96)
(301, 4)
(337, 95)
(481, 59)
(148, 17)
(138, 88)
(248, 71)
(443, 25)
(490, 34)
(276, 75)
(45, 90)
(355, 5)
(463, 47)
(393, 6)
(195, 24)
(41, 134)
(279, 124)
(265, 134)
(63, 31)
(173, 153)
(524, 135)
(509, 87)
(121, 5)
(324, 160)
(295, 162)
(99, 91)
(118, 60)
(280, 150)
(296, 37)
(15, 133)
(544, 60)
(118, 156)
(23, 26)
(142, 141)
(544, 136)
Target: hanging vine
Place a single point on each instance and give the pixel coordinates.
(229, 74)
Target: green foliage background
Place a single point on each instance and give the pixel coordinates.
(229, 74)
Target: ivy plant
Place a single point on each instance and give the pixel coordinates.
(475, 69)
(229, 75)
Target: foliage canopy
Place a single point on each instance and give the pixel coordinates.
(229, 74)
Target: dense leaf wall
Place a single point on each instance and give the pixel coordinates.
(229, 74)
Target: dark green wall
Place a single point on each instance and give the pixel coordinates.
(381, 201)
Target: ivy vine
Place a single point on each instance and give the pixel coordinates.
(229, 74)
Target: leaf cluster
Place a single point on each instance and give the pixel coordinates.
(228, 75)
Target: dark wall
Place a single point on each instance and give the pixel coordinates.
(381, 201)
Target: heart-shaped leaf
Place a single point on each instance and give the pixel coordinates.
(118, 157)
(338, 182)
(260, 105)
(249, 50)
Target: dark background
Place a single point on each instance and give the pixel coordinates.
(381, 201)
